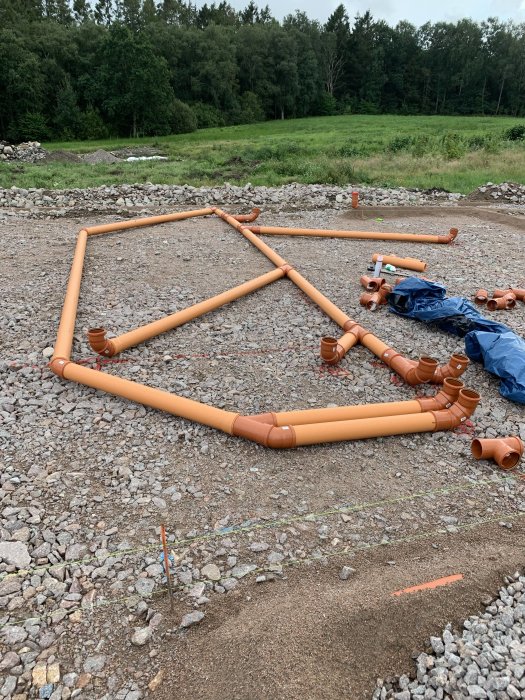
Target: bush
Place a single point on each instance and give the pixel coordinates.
(421, 145)
(207, 116)
(399, 143)
(182, 118)
(515, 133)
(452, 145)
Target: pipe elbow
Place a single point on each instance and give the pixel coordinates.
(58, 365)
(454, 368)
(518, 293)
(450, 237)
(445, 397)
(332, 352)
(410, 371)
(267, 418)
(372, 284)
(506, 452)
(99, 343)
(481, 297)
(459, 412)
(264, 433)
(246, 218)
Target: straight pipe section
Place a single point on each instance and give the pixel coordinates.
(147, 221)
(358, 235)
(109, 347)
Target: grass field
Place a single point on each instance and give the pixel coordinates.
(453, 153)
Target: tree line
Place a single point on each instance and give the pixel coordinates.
(78, 69)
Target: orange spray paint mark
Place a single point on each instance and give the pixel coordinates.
(430, 584)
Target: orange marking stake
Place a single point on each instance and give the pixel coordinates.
(430, 584)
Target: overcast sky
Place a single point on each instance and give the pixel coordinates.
(417, 12)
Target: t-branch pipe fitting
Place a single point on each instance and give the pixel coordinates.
(99, 343)
(506, 452)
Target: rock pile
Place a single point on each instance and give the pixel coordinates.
(27, 152)
(485, 660)
(112, 198)
(510, 192)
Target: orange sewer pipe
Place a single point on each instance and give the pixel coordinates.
(66, 329)
(147, 221)
(363, 235)
(443, 399)
(359, 428)
(246, 232)
(406, 263)
(109, 347)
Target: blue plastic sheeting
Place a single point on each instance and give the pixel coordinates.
(494, 344)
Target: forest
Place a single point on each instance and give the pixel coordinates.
(89, 70)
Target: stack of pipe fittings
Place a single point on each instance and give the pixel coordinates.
(501, 299)
(506, 452)
(376, 294)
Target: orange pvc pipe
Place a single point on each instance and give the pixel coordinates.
(506, 452)
(247, 233)
(146, 395)
(147, 221)
(518, 293)
(360, 235)
(363, 428)
(406, 263)
(316, 296)
(507, 301)
(113, 346)
(443, 399)
(66, 329)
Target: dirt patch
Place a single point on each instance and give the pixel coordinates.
(62, 157)
(508, 217)
(317, 637)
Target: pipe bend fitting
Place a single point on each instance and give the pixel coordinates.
(99, 343)
(459, 412)
(411, 372)
(454, 368)
(445, 397)
(247, 217)
(332, 352)
(58, 365)
(263, 433)
(451, 236)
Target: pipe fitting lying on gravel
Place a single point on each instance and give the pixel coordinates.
(481, 297)
(506, 452)
(506, 301)
(372, 284)
(455, 367)
(99, 343)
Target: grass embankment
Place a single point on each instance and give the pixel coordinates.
(453, 153)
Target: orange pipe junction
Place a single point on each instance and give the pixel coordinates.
(447, 409)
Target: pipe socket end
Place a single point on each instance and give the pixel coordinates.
(330, 350)
(99, 343)
(58, 365)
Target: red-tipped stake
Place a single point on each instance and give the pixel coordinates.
(166, 563)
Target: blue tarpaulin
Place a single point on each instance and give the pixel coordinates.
(495, 345)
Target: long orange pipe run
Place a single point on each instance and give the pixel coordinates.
(149, 396)
(147, 221)
(361, 235)
(66, 329)
(443, 399)
(113, 346)
(247, 233)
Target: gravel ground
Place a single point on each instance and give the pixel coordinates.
(87, 478)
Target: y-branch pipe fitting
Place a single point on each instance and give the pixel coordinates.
(411, 371)
(455, 367)
(506, 452)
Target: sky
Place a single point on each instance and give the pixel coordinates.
(417, 12)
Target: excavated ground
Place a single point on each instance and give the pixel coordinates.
(87, 478)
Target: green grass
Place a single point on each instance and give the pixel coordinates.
(453, 153)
